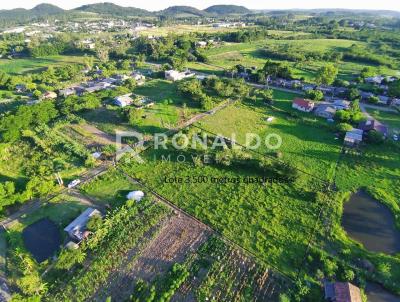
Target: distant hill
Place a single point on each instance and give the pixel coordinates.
(46, 9)
(227, 10)
(182, 11)
(21, 14)
(107, 8)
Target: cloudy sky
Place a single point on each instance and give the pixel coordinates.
(252, 4)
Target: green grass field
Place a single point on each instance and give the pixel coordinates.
(309, 148)
(32, 65)
(110, 188)
(273, 221)
(250, 54)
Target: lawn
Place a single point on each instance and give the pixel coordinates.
(167, 111)
(272, 221)
(168, 106)
(309, 144)
(110, 188)
(32, 65)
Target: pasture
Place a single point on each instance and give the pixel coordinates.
(251, 54)
(32, 65)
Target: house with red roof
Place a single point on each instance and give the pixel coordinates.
(303, 105)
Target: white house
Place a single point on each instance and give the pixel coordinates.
(123, 100)
(174, 75)
(201, 43)
(303, 105)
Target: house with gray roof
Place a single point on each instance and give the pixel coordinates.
(76, 229)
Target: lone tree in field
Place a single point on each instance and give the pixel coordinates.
(326, 74)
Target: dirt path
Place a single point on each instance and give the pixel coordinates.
(4, 290)
(178, 237)
(101, 137)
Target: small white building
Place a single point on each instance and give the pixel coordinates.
(135, 195)
(123, 100)
(201, 43)
(174, 75)
(49, 95)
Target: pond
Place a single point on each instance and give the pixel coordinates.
(42, 239)
(368, 221)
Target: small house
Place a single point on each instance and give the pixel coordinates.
(123, 100)
(376, 80)
(67, 92)
(139, 78)
(341, 104)
(20, 88)
(201, 43)
(49, 95)
(353, 137)
(174, 75)
(325, 111)
(303, 105)
(372, 124)
(341, 292)
(77, 228)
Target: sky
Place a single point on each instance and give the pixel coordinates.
(154, 5)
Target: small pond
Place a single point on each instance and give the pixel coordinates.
(42, 239)
(371, 223)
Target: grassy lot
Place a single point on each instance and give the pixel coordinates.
(312, 149)
(378, 170)
(184, 29)
(273, 221)
(107, 120)
(31, 65)
(250, 54)
(167, 111)
(263, 219)
(110, 188)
